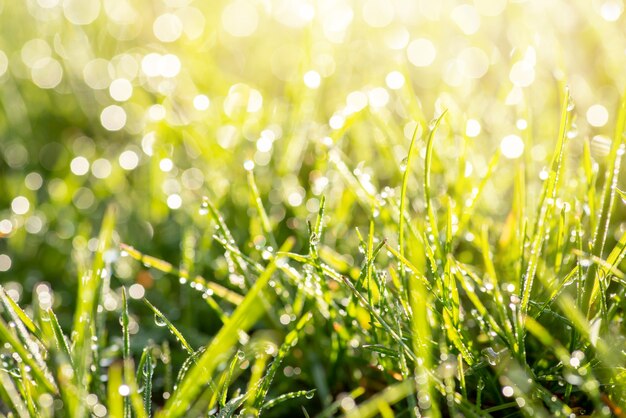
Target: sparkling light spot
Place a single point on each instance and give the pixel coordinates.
(150, 64)
(121, 89)
(166, 165)
(169, 65)
(357, 100)
(124, 390)
(79, 166)
(472, 128)
(597, 115)
(265, 142)
(33, 181)
(174, 201)
(34, 50)
(507, 391)
(421, 52)
(113, 118)
(336, 121)
(240, 18)
(156, 112)
(6, 226)
(129, 160)
(101, 168)
(47, 73)
(512, 146)
(167, 27)
(611, 10)
(136, 291)
(312, 79)
(394, 80)
(378, 97)
(20, 205)
(5, 262)
(201, 102)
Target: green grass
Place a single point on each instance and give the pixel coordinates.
(350, 249)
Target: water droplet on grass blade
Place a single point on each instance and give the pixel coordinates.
(404, 163)
(159, 321)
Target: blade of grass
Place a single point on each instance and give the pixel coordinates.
(608, 198)
(166, 267)
(432, 230)
(242, 319)
(88, 291)
(179, 336)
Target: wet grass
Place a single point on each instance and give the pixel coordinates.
(337, 212)
(440, 314)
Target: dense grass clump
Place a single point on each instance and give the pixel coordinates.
(318, 209)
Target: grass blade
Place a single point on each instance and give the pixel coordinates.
(242, 319)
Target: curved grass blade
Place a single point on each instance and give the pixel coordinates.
(308, 394)
(608, 198)
(545, 207)
(432, 229)
(166, 267)
(125, 320)
(390, 396)
(7, 387)
(170, 326)
(89, 289)
(40, 374)
(146, 373)
(14, 309)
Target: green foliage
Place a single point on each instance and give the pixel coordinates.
(244, 208)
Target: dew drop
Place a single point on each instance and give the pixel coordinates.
(158, 321)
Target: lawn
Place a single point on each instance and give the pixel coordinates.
(314, 208)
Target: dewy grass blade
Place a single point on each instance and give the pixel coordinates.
(548, 196)
(431, 220)
(125, 321)
(12, 307)
(403, 198)
(40, 374)
(258, 203)
(88, 291)
(11, 393)
(608, 198)
(166, 267)
(162, 318)
(242, 319)
(258, 397)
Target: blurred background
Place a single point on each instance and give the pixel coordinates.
(152, 105)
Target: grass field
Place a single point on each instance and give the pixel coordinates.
(312, 208)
